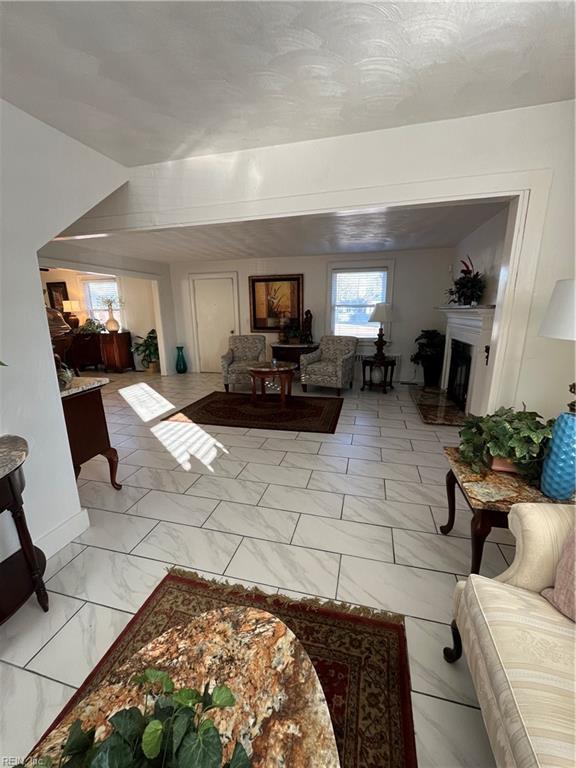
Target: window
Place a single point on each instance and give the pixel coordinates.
(95, 292)
(355, 293)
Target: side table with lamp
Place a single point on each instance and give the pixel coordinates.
(559, 470)
(382, 313)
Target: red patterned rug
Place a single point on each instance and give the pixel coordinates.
(237, 409)
(360, 657)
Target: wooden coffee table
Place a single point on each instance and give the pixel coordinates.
(490, 496)
(264, 372)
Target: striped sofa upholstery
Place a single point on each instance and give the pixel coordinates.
(520, 649)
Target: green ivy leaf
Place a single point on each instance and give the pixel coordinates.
(239, 758)
(187, 697)
(222, 697)
(152, 739)
(114, 753)
(78, 741)
(183, 720)
(202, 749)
(129, 723)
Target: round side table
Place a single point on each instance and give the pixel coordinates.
(264, 372)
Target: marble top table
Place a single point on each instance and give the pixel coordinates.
(21, 572)
(280, 715)
(13, 453)
(82, 384)
(490, 497)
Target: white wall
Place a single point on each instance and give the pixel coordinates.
(484, 246)
(443, 159)
(420, 281)
(47, 180)
(138, 311)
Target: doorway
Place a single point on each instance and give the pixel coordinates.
(215, 317)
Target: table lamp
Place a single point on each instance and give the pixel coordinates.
(559, 470)
(70, 307)
(382, 313)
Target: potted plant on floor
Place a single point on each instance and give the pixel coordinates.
(430, 355)
(506, 441)
(147, 351)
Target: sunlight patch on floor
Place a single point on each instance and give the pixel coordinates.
(185, 440)
(145, 401)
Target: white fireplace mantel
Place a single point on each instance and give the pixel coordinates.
(471, 325)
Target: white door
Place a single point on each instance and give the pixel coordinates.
(215, 316)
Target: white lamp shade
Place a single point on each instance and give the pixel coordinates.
(71, 306)
(381, 313)
(560, 318)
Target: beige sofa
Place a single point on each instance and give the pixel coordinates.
(519, 648)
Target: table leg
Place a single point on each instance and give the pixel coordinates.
(363, 387)
(262, 386)
(282, 389)
(451, 495)
(112, 455)
(480, 527)
(384, 375)
(289, 381)
(30, 555)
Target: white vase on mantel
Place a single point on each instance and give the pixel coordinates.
(112, 325)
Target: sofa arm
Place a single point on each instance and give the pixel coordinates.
(227, 359)
(311, 357)
(540, 531)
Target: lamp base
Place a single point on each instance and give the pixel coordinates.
(380, 343)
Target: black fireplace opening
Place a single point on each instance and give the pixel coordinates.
(459, 373)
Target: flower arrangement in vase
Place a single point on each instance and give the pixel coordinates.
(111, 303)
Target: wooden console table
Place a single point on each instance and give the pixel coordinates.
(86, 424)
(116, 351)
(490, 497)
(290, 353)
(21, 573)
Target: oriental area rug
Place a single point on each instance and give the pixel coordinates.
(359, 655)
(236, 409)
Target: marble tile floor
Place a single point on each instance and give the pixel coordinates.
(351, 516)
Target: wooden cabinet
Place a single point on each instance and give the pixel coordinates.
(117, 351)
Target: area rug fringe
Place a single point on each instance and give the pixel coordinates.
(313, 603)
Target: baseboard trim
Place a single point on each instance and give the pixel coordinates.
(63, 534)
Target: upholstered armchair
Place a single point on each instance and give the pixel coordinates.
(332, 365)
(244, 352)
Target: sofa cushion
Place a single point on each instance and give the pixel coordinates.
(520, 650)
(562, 594)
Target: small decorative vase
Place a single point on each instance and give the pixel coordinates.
(559, 471)
(112, 325)
(181, 364)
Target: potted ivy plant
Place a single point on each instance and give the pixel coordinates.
(507, 440)
(468, 289)
(147, 351)
(430, 355)
(171, 729)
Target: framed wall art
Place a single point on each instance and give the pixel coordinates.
(57, 295)
(275, 302)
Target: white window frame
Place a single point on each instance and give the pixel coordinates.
(118, 313)
(359, 265)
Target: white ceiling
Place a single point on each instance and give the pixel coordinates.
(392, 229)
(145, 82)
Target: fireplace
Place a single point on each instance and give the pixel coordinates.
(459, 373)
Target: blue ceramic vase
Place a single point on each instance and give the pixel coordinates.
(181, 364)
(559, 471)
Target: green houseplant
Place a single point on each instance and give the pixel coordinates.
(91, 326)
(469, 287)
(147, 351)
(430, 355)
(172, 729)
(518, 437)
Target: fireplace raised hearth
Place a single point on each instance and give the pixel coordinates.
(459, 373)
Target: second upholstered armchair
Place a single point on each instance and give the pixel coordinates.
(243, 353)
(332, 365)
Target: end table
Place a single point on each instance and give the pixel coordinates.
(387, 365)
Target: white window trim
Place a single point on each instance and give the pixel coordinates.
(359, 265)
(118, 313)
